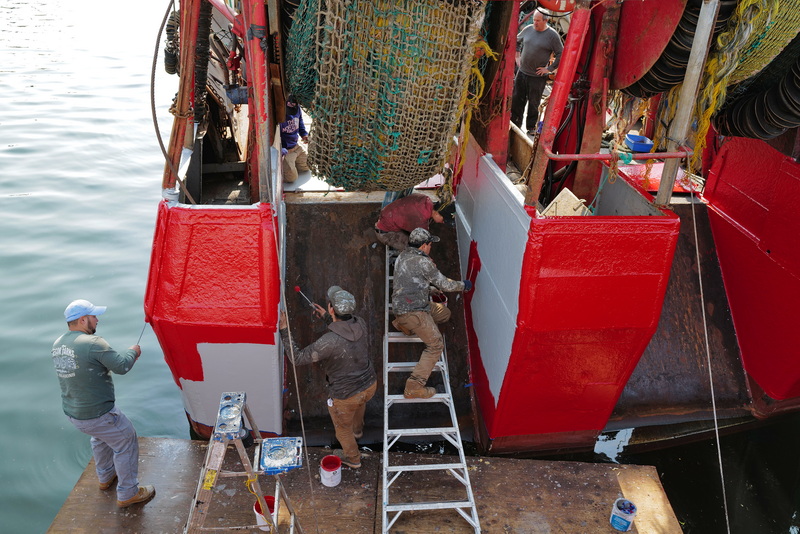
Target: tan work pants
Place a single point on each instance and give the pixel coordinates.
(348, 420)
(423, 325)
(295, 160)
(396, 240)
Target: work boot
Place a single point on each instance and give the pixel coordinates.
(144, 494)
(415, 389)
(346, 461)
(106, 485)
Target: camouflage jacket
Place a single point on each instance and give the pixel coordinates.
(414, 273)
(343, 353)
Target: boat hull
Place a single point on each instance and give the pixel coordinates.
(212, 300)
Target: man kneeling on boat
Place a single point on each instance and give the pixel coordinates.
(401, 217)
(343, 353)
(414, 273)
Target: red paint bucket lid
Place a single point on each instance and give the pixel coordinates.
(331, 463)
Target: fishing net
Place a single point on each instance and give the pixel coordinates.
(721, 64)
(770, 35)
(756, 33)
(386, 82)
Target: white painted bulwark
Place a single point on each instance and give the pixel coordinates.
(490, 213)
(261, 378)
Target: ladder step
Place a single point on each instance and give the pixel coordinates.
(442, 505)
(399, 337)
(399, 367)
(431, 467)
(439, 397)
(421, 431)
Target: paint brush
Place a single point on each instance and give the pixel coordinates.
(297, 289)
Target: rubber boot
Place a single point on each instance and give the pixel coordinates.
(415, 389)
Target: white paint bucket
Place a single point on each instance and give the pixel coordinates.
(330, 470)
(622, 514)
(261, 521)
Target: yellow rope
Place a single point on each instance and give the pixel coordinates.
(467, 104)
(722, 64)
(627, 112)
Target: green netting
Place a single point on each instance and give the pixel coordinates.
(301, 53)
(385, 82)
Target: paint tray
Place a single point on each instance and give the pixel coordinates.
(279, 455)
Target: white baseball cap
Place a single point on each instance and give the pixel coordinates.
(79, 308)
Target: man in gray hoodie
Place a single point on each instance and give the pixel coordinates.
(343, 353)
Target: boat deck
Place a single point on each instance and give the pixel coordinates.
(512, 496)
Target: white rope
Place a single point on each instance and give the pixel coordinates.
(299, 403)
(708, 362)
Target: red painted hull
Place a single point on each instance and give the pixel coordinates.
(752, 190)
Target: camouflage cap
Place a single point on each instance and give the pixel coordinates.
(344, 303)
(332, 291)
(420, 236)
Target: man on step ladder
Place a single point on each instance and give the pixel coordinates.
(415, 314)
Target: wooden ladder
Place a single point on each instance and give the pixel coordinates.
(392, 509)
(271, 456)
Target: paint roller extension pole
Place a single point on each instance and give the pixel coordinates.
(297, 289)
(141, 333)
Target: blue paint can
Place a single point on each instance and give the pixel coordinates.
(622, 514)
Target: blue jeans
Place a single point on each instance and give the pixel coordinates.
(115, 447)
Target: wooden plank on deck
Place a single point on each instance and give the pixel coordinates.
(513, 496)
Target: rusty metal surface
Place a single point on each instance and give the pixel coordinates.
(587, 174)
(671, 379)
(331, 243)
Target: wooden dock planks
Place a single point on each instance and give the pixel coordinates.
(513, 496)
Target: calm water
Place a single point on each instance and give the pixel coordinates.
(80, 173)
(79, 183)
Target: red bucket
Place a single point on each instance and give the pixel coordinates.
(261, 521)
(330, 471)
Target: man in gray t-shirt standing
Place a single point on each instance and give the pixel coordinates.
(84, 363)
(539, 41)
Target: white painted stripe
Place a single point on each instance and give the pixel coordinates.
(491, 213)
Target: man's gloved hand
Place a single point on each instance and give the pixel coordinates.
(467, 285)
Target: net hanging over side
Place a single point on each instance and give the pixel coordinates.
(387, 87)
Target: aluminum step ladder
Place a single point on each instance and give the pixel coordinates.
(272, 456)
(437, 472)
